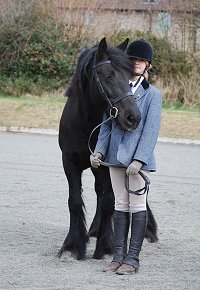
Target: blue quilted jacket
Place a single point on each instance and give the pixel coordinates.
(122, 147)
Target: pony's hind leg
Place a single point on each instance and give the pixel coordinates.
(103, 217)
(76, 239)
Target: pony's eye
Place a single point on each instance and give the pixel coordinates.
(109, 77)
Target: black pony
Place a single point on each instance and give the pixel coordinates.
(100, 83)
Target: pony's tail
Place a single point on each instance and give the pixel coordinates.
(151, 231)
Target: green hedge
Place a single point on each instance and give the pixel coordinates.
(167, 62)
(37, 52)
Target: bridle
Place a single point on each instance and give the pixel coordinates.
(113, 113)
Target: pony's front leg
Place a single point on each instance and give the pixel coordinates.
(76, 239)
(99, 189)
(105, 239)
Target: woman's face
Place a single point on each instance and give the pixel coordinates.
(138, 66)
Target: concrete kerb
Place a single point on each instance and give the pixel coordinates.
(16, 129)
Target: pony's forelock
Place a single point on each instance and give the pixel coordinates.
(83, 73)
(118, 58)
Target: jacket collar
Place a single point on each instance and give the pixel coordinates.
(145, 84)
(141, 91)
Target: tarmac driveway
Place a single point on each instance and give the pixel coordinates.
(35, 219)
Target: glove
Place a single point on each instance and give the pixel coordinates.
(95, 159)
(134, 167)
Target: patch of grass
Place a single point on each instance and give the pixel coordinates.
(2, 95)
(45, 112)
(31, 112)
(182, 123)
(175, 106)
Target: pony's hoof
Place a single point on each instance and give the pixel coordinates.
(66, 256)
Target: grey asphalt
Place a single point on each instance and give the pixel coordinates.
(35, 219)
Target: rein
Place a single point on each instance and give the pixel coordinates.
(140, 191)
(113, 113)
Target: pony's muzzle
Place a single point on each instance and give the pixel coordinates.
(132, 122)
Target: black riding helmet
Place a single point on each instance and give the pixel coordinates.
(140, 49)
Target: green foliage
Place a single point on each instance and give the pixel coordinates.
(118, 36)
(174, 72)
(167, 62)
(38, 53)
(35, 50)
(42, 55)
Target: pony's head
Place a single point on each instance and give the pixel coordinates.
(111, 73)
(102, 78)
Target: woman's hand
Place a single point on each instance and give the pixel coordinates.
(134, 167)
(95, 159)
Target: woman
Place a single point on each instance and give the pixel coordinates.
(131, 152)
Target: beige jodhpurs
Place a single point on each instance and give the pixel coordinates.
(124, 201)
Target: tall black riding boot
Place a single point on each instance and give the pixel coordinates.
(138, 229)
(121, 229)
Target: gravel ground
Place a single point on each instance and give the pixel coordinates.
(35, 219)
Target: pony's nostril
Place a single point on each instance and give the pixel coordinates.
(130, 118)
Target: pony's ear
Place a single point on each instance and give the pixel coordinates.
(123, 45)
(102, 48)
